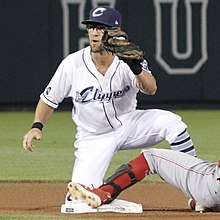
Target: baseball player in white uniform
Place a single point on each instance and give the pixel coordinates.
(198, 179)
(103, 90)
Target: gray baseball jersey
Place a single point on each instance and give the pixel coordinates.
(197, 178)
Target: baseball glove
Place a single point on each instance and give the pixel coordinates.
(118, 43)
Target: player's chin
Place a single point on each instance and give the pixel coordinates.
(97, 49)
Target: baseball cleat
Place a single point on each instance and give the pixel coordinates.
(93, 197)
(192, 204)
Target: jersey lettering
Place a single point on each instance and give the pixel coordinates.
(92, 94)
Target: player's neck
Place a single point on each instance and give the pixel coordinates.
(102, 61)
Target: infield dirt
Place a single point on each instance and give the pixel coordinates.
(159, 200)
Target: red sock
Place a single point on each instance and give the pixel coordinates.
(139, 167)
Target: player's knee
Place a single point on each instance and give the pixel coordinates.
(169, 119)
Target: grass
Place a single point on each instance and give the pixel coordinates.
(53, 158)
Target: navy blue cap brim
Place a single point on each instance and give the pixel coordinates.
(94, 22)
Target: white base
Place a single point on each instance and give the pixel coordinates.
(120, 206)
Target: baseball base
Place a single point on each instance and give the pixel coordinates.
(120, 206)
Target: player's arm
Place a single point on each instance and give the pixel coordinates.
(146, 83)
(42, 113)
(118, 43)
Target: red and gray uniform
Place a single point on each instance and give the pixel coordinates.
(197, 178)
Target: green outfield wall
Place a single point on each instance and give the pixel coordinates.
(181, 40)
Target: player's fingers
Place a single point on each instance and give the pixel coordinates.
(27, 140)
(27, 146)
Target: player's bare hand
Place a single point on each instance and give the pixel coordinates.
(33, 134)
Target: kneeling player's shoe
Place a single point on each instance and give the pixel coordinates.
(192, 204)
(93, 197)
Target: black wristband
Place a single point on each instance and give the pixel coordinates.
(38, 125)
(135, 65)
(136, 69)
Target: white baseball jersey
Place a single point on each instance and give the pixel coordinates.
(104, 110)
(95, 97)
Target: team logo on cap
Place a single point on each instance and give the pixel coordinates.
(98, 12)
